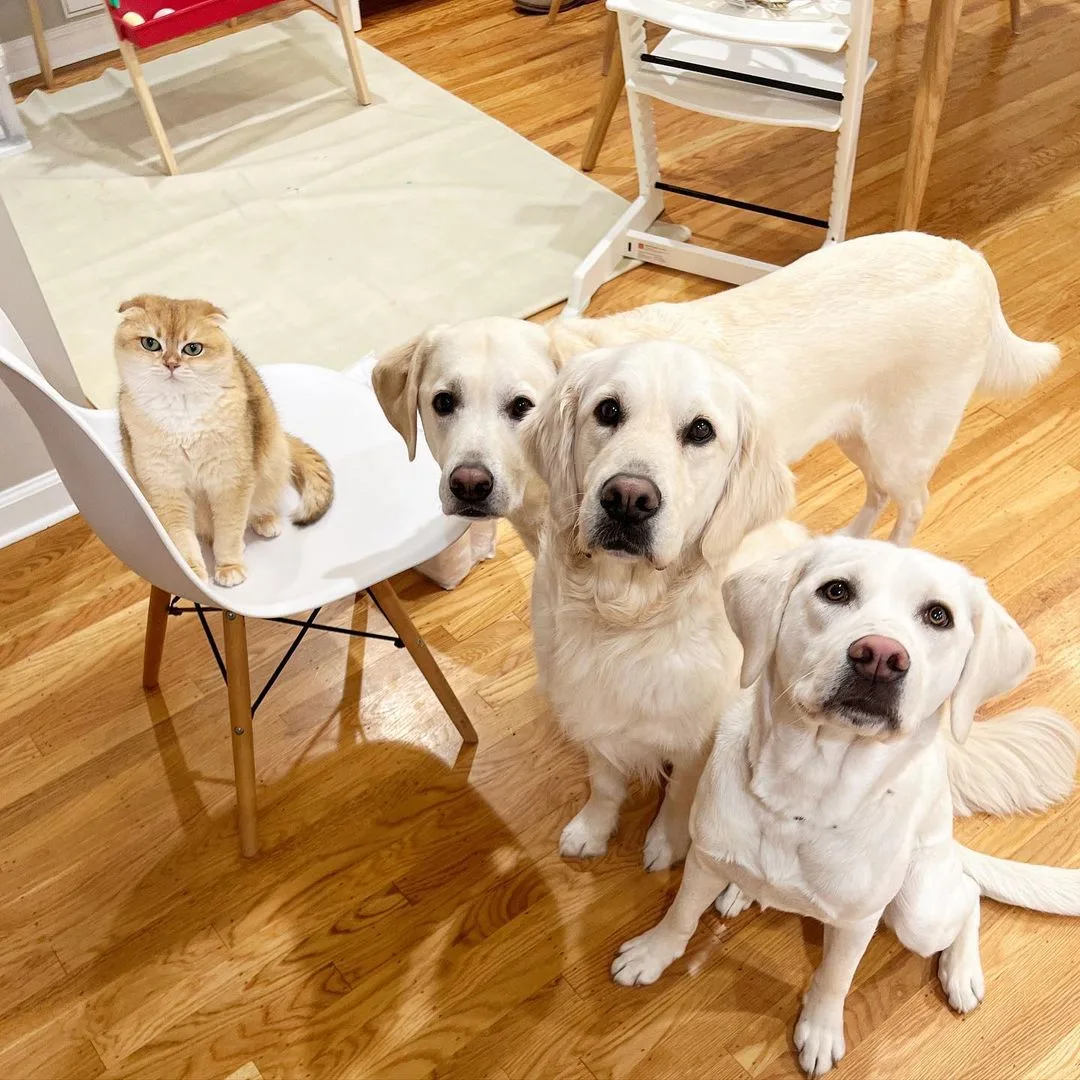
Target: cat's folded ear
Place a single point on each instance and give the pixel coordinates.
(209, 311)
(136, 303)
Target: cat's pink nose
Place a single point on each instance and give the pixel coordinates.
(170, 363)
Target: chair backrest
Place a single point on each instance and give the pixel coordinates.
(84, 445)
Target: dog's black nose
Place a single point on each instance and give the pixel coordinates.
(879, 659)
(629, 499)
(471, 483)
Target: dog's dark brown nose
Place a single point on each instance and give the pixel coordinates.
(879, 659)
(629, 499)
(471, 483)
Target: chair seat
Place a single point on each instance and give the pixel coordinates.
(385, 517)
(744, 101)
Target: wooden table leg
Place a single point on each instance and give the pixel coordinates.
(610, 93)
(37, 28)
(554, 10)
(941, 31)
(146, 103)
(344, 18)
(398, 617)
(243, 742)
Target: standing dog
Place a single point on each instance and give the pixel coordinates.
(826, 792)
(877, 343)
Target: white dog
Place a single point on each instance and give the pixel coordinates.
(826, 791)
(877, 343)
(658, 466)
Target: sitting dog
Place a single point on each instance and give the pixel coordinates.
(826, 792)
(877, 342)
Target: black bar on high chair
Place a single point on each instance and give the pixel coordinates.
(739, 76)
(756, 208)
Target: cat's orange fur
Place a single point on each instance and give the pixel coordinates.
(201, 435)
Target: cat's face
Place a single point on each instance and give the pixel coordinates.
(162, 342)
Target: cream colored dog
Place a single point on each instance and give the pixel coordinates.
(659, 466)
(877, 343)
(826, 792)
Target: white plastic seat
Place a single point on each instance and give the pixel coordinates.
(805, 66)
(385, 519)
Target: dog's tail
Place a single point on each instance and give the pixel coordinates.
(1041, 888)
(1024, 761)
(1013, 365)
(313, 480)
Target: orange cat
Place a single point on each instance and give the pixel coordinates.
(201, 435)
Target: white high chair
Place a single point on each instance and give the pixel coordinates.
(385, 519)
(803, 66)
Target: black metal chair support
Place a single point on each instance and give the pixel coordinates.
(305, 625)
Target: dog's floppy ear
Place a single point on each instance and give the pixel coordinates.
(755, 599)
(999, 660)
(396, 378)
(759, 489)
(547, 439)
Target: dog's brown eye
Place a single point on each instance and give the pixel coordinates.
(519, 407)
(938, 616)
(699, 432)
(443, 403)
(608, 412)
(150, 344)
(835, 592)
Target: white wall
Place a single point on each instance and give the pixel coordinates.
(31, 496)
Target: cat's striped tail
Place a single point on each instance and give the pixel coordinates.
(313, 480)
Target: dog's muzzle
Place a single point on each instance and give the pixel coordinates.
(628, 503)
(869, 689)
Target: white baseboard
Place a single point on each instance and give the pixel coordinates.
(90, 35)
(31, 506)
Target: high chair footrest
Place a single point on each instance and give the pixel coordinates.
(738, 204)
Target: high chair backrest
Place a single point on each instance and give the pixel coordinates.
(84, 445)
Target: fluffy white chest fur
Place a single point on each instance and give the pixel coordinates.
(815, 823)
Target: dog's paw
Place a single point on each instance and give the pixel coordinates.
(229, 574)
(732, 901)
(662, 850)
(581, 839)
(267, 525)
(642, 960)
(819, 1038)
(962, 980)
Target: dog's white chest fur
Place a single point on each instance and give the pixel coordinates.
(638, 693)
(797, 838)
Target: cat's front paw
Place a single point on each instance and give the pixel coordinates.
(229, 574)
(267, 525)
(198, 568)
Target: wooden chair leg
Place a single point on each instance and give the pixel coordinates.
(942, 28)
(37, 29)
(344, 19)
(612, 90)
(146, 103)
(243, 743)
(553, 10)
(1014, 15)
(157, 619)
(611, 41)
(418, 650)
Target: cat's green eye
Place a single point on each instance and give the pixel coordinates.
(150, 344)
(192, 348)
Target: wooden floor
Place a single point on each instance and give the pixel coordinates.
(410, 915)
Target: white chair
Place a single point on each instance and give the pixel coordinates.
(805, 66)
(385, 519)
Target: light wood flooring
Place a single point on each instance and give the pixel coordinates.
(409, 915)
